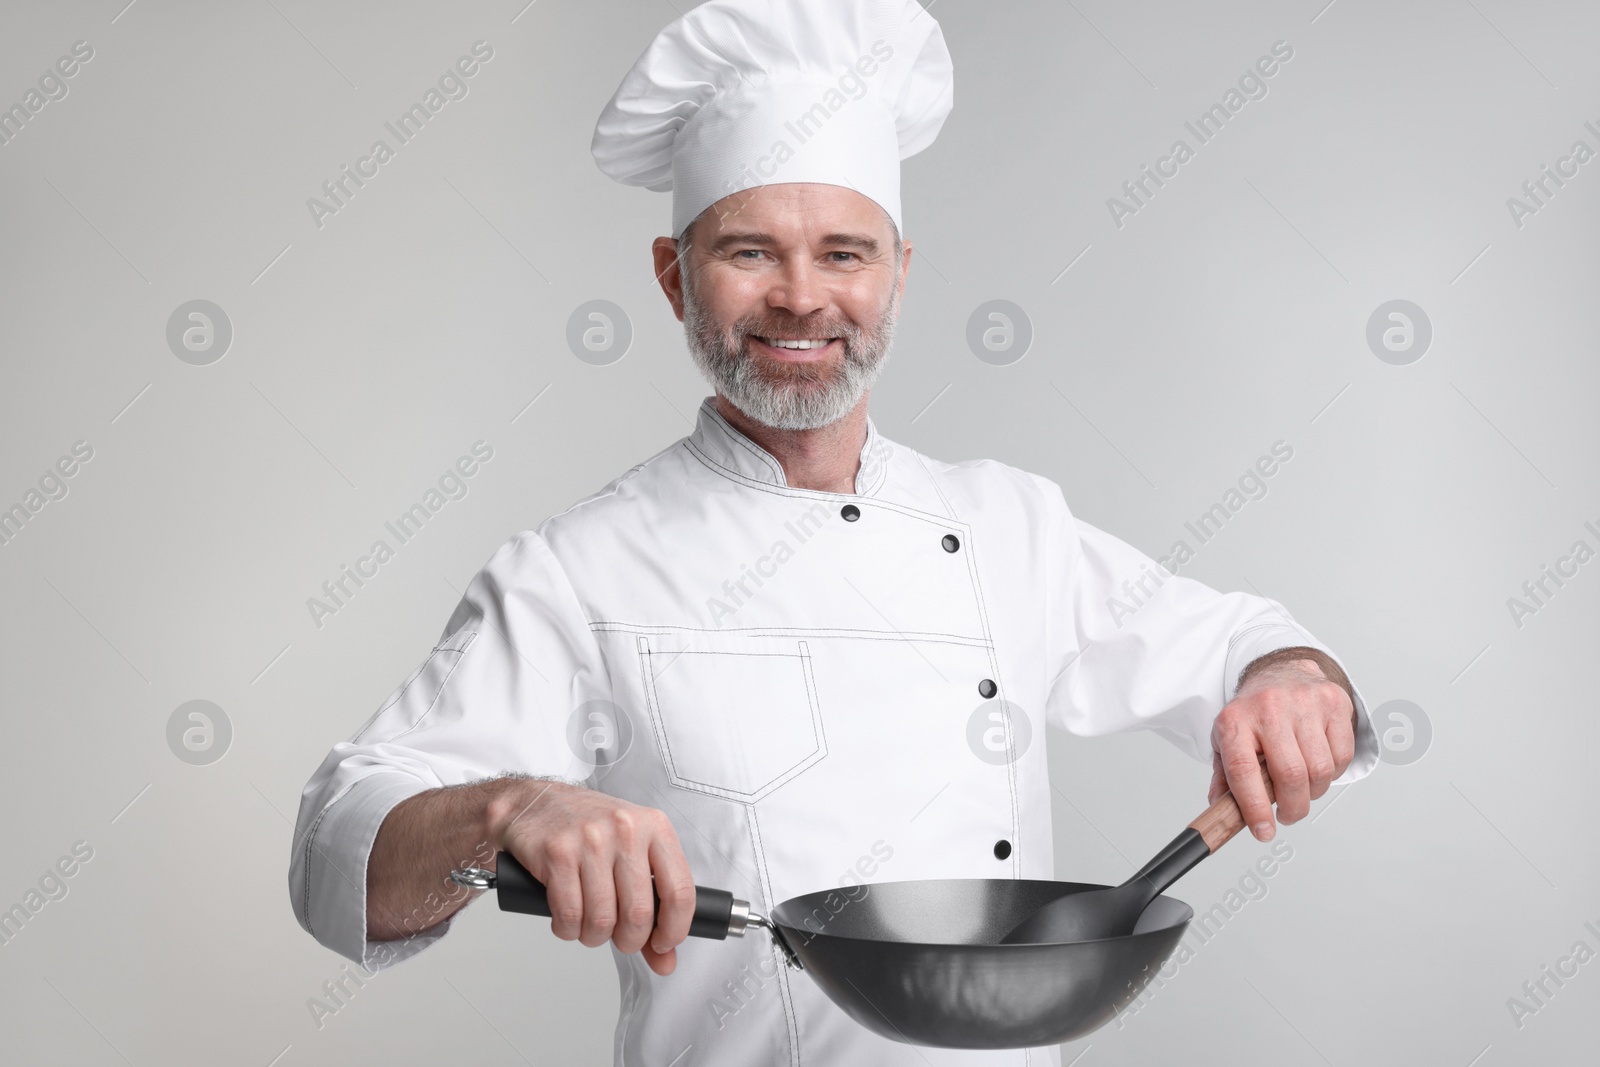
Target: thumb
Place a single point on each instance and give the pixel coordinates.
(663, 963)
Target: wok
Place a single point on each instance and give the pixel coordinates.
(927, 962)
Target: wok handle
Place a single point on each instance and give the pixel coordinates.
(1218, 823)
(1214, 828)
(717, 913)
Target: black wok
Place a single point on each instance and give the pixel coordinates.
(926, 963)
(920, 962)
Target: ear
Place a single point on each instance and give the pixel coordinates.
(905, 266)
(665, 252)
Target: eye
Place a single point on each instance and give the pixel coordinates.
(842, 257)
(749, 255)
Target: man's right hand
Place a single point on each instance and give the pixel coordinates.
(596, 856)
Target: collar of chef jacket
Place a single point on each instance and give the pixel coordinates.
(718, 443)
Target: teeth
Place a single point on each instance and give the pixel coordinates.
(776, 342)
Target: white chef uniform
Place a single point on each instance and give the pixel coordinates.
(796, 678)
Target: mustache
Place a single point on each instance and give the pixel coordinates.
(732, 348)
(789, 326)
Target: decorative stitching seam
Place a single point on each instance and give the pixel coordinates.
(719, 652)
(739, 439)
(806, 494)
(443, 682)
(887, 450)
(932, 481)
(875, 448)
(811, 693)
(405, 687)
(875, 442)
(789, 1014)
(797, 631)
(653, 703)
(311, 836)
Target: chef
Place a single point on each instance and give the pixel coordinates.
(787, 654)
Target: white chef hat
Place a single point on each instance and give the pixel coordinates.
(741, 93)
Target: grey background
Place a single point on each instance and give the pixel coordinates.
(367, 355)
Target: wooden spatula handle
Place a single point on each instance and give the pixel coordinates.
(1218, 823)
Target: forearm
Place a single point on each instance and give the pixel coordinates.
(605, 862)
(421, 840)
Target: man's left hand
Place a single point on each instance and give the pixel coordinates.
(1293, 709)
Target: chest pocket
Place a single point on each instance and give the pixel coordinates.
(735, 717)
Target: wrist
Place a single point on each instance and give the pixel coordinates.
(514, 797)
(1298, 656)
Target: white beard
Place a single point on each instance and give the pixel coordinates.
(788, 396)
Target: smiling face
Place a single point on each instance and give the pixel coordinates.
(788, 295)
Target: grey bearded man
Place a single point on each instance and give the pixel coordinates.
(772, 657)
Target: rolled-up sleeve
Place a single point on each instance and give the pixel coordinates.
(492, 697)
(1140, 647)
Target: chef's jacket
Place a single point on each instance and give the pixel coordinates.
(820, 689)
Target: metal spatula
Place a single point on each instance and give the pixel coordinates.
(1101, 913)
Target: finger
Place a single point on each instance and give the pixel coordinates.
(599, 897)
(663, 963)
(674, 885)
(1287, 767)
(563, 889)
(1317, 757)
(1341, 743)
(636, 900)
(1241, 760)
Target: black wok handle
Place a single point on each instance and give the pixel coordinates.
(716, 913)
(1212, 829)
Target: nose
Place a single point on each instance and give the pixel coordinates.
(798, 290)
